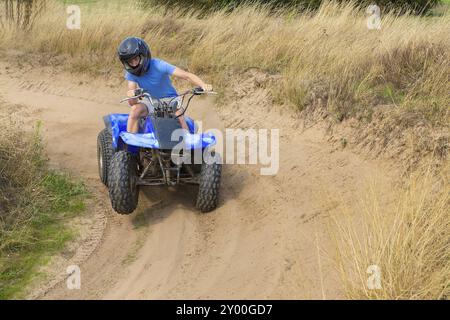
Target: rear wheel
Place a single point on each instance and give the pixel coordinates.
(104, 154)
(122, 182)
(208, 192)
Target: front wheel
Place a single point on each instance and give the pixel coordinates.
(208, 192)
(104, 154)
(122, 182)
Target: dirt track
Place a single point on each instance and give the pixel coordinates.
(262, 242)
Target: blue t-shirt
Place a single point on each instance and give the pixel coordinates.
(156, 81)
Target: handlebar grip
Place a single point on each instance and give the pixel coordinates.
(198, 91)
(138, 91)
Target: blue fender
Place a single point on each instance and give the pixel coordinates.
(117, 124)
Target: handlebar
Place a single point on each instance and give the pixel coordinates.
(140, 93)
(199, 90)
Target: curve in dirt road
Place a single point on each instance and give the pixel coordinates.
(263, 241)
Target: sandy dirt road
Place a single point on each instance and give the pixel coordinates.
(267, 238)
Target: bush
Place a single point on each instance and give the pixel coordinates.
(416, 6)
(231, 4)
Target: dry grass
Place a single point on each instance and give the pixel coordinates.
(20, 159)
(408, 240)
(35, 203)
(328, 59)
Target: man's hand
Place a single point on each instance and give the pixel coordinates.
(131, 93)
(132, 86)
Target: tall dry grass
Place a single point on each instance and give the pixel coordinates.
(35, 204)
(328, 59)
(408, 241)
(20, 162)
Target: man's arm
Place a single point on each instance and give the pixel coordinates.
(179, 73)
(130, 93)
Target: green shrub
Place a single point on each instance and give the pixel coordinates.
(416, 6)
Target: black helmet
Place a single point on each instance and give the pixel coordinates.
(130, 48)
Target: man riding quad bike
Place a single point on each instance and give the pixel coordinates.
(156, 144)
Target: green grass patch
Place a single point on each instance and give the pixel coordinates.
(31, 242)
(36, 204)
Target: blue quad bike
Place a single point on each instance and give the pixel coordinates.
(128, 161)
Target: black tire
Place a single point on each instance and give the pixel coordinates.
(122, 178)
(208, 191)
(197, 167)
(104, 154)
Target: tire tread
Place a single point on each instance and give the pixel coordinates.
(123, 199)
